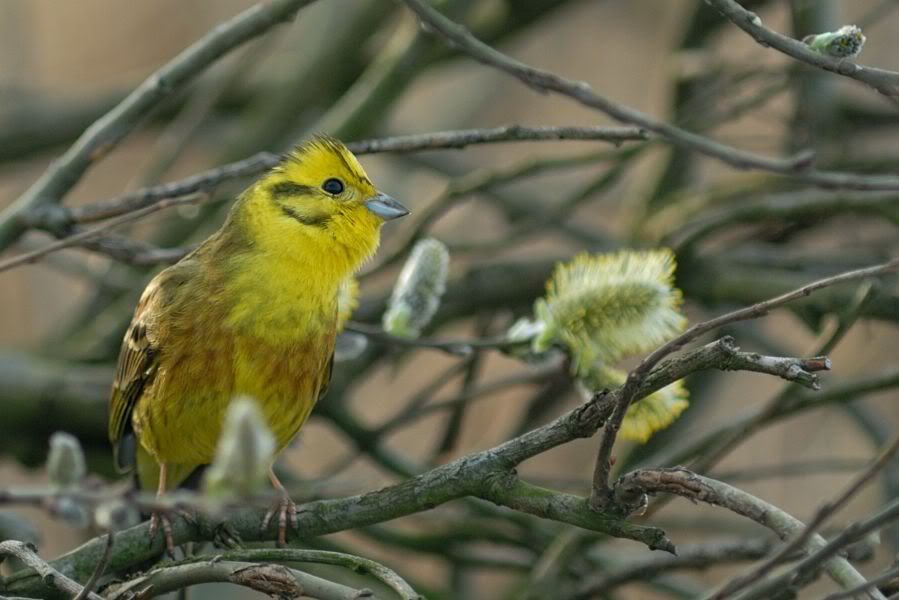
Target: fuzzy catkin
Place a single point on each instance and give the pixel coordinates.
(418, 290)
(65, 462)
(244, 451)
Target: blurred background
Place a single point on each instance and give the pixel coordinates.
(361, 69)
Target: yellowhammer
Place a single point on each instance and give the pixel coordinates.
(252, 312)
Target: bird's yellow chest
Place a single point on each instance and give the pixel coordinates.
(273, 345)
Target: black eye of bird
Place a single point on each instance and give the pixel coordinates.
(333, 186)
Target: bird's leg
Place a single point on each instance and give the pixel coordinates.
(285, 507)
(159, 519)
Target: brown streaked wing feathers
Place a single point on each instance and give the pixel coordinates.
(137, 365)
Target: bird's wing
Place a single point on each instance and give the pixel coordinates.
(138, 361)
(326, 379)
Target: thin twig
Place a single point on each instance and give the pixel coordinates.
(24, 553)
(461, 347)
(699, 556)
(631, 490)
(885, 577)
(55, 216)
(796, 167)
(822, 514)
(802, 570)
(106, 132)
(356, 563)
(98, 571)
(885, 82)
(444, 140)
(90, 234)
(273, 580)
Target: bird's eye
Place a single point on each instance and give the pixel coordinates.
(333, 186)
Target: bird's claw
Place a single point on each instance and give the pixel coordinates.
(226, 536)
(287, 512)
(160, 520)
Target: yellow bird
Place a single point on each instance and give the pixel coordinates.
(252, 311)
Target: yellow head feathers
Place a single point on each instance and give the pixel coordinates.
(320, 206)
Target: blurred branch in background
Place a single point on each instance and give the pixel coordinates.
(451, 456)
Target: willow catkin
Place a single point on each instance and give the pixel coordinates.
(244, 452)
(418, 290)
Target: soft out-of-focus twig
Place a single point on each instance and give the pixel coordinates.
(785, 207)
(891, 574)
(823, 513)
(800, 573)
(273, 580)
(91, 234)
(356, 563)
(106, 132)
(698, 556)
(631, 489)
(54, 217)
(885, 82)
(460, 347)
(91, 583)
(796, 167)
(443, 140)
(53, 577)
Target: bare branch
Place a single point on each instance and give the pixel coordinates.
(810, 564)
(797, 167)
(823, 513)
(357, 564)
(885, 577)
(698, 556)
(106, 132)
(273, 580)
(885, 82)
(24, 553)
(99, 569)
(631, 490)
(55, 217)
(90, 234)
(443, 140)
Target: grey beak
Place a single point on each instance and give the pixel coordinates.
(386, 207)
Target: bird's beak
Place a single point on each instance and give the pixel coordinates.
(386, 207)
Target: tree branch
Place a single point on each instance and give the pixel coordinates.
(54, 217)
(805, 568)
(885, 82)
(488, 474)
(357, 564)
(92, 234)
(48, 575)
(106, 132)
(797, 167)
(823, 513)
(273, 580)
(631, 489)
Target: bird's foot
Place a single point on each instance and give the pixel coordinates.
(226, 536)
(160, 520)
(286, 509)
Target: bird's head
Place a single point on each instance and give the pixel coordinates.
(320, 202)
